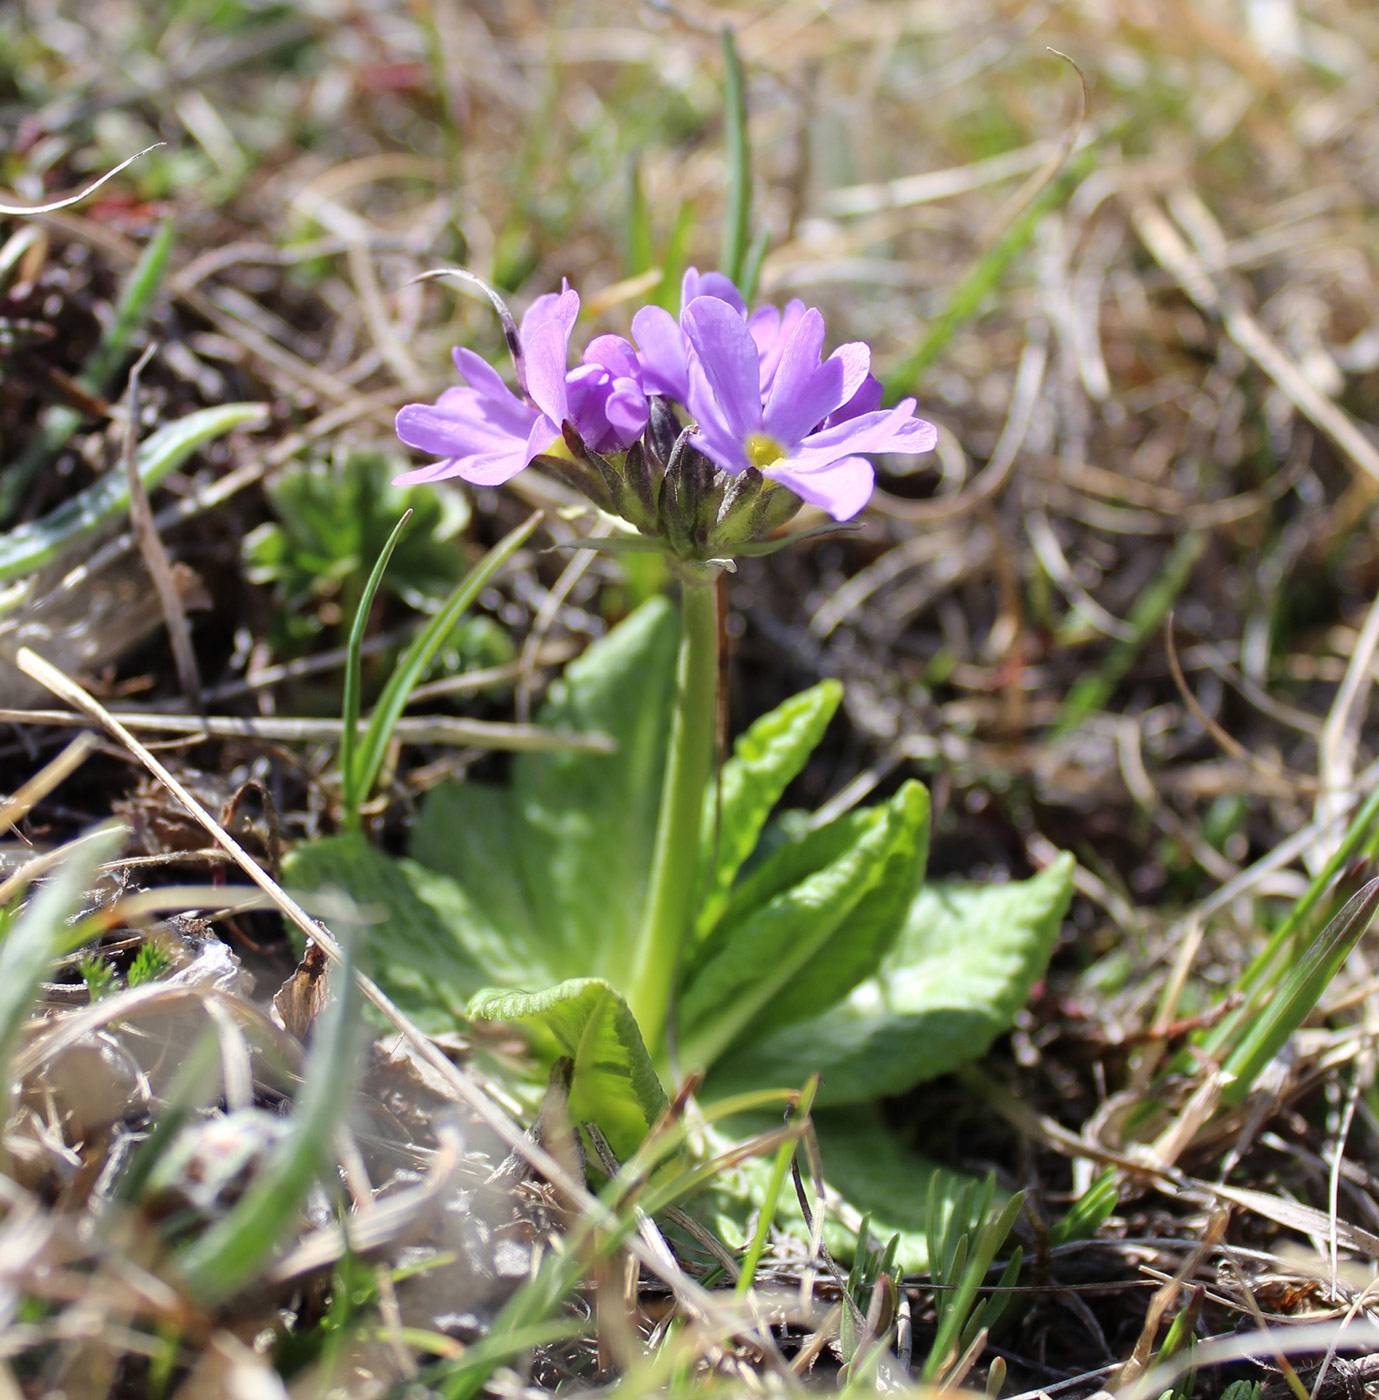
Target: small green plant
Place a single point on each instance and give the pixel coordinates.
(98, 975)
(525, 903)
(149, 964)
(873, 1296)
(638, 914)
(962, 1248)
(334, 517)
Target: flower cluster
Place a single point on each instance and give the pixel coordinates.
(707, 432)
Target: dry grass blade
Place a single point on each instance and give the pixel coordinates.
(21, 210)
(1292, 1215)
(151, 547)
(416, 729)
(46, 779)
(1177, 258)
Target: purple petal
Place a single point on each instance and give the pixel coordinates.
(433, 471)
(490, 470)
(546, 351)
(771, 335)
(728, 356)
(894, 431)
(480, 374)
(607, 413)
(764, 324)
(710, 284)
(544, 435)
(561, 306)
(831, 385)
(627, 412)
(721, 448)
(841, 488)
(462, 424)
(795, 405)
(855, 358)
(614, 354)
(867, 399)
(663, 353)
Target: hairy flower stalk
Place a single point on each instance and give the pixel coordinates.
(672, 890)
(700, 438)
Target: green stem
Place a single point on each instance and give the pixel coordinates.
(675, 860)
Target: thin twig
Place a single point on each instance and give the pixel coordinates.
(151, 547)
(414, 729)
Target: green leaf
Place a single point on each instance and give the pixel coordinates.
(801, 930)
(964, 965)
(586, 823)
(764, 762)
(469, 831)
(419, 929)
(554, 868)
(615, 1083)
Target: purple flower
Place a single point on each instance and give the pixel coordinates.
(662, 348)
(771, 329)
(809, 430)
(485, 434)
(607, 402)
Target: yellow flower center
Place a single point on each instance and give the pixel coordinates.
(762, 451)
(560, 449)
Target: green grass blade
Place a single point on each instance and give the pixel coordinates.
(990, 1237)
(227, 1255)
(971, 293)
(1324, 896)
(1361, 838)
(676, 258)
(751, 268)
(349, 729)
(640, 251)
(737, 217)
(33, 546)
(1298, 993)
(1094, 689)
(36, 936)
(137, 300)
(1089, 1212)
(197, 1070)
(415, 660)
(780, 1167)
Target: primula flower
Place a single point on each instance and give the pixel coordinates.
(662, 348)
(809, 429)
(771, 329)
(605, 395)
(485, 434)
